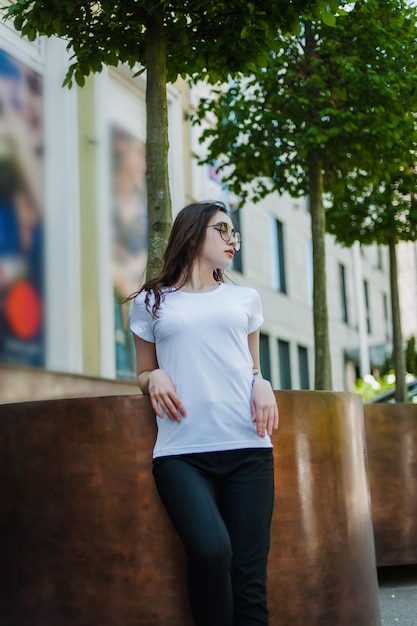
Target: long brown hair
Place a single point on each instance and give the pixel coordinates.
(185, 242)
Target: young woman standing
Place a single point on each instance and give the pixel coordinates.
(197, 351)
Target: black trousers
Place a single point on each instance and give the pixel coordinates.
(221, 505)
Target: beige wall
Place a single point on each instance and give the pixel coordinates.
(407, 284)
(89, 230)
(24, 384)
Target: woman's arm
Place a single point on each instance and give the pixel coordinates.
(264, 406)
(155, 382)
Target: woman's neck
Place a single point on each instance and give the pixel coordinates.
(200, 282)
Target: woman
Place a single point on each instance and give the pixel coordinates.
(197, 351)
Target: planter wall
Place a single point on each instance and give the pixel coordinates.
(391, 436)
(85, 540)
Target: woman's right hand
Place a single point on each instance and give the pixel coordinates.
(163, 396)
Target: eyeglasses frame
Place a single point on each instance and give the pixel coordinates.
(234, 235)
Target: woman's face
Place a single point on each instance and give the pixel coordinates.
(216, 252)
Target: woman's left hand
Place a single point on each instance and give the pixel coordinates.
(264, 407)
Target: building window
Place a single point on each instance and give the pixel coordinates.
(367, 306)
(386, 316)
(237, 261)
(343, 294)
(284, 364)
(278, 269)
(309, 272)
(379, 258)
(303, 367)
(265, 356)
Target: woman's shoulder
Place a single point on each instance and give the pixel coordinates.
(247, 296)
(243, 290)
(147, 296)
(140, 297)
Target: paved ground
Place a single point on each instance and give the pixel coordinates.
(398, 595)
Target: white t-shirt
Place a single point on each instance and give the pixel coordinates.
(202, 344)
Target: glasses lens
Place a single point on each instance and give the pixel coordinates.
(225, 231)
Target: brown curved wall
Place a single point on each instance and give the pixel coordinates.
(86, 542)
(391, 436)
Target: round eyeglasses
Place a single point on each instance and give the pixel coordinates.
(227, 233)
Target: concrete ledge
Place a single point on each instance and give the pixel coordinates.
(23, 384)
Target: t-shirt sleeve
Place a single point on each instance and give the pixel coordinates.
(256, 317)
(141, 321)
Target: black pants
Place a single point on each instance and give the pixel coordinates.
(221, 506)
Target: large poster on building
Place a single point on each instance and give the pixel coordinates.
(129, 238)
(21, 219)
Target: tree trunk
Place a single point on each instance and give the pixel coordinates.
(398, 356)
(322, 363)
(159, 199)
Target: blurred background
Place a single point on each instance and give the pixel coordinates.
(73, 241)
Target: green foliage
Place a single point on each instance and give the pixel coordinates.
(203, 39)
(342, 94)
(371, 387)
(410, 359)
(411, 356)
(376, 202)
(383, 210)
(387, 366)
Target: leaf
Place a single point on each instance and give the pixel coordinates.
(79, 78)
(328, 18)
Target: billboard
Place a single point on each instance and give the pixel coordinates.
(129, 238)
(21, 214)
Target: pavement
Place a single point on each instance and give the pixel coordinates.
(398, 595)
